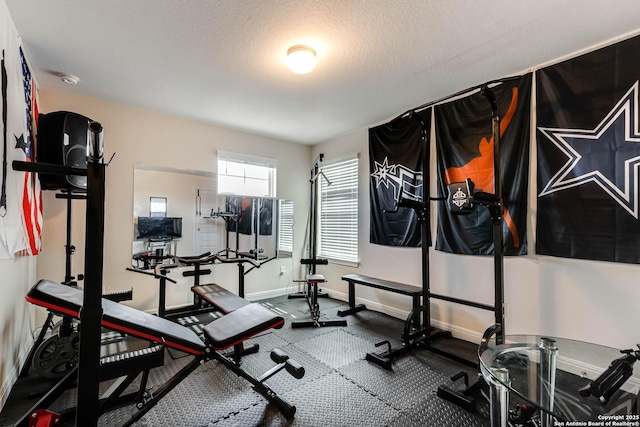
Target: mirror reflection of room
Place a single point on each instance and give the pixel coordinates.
(164, 211)
(180, 213)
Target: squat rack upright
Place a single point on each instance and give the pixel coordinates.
(91, 313)
(422, 334)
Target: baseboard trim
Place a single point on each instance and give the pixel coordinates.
(272, 293)
(456, 331)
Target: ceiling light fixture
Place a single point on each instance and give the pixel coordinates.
(69, 79)
(301, 59)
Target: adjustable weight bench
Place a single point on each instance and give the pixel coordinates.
(225, 301)
(221, 334)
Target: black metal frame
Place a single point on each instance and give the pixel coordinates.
(312, 291)
(424, 336)
(66, 327)
(141, 364)
(90, 316)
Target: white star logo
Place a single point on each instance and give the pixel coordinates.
(607, 155)
(406, 183)
(383, 171)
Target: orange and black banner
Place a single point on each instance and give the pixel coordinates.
(588, 139)
(243, 207)
(396, 158)
(465, 149)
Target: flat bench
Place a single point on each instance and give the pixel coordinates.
(385, 285)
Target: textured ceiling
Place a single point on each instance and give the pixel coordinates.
(222, 62)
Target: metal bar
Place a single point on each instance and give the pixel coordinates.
(69, 249)
(91, 312)
(463, 302)
(47, 168)
(498, 261)
(455, 95)
(547, 379)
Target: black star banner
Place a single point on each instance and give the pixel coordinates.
(396, 155)
(589, 155)
(465, 148)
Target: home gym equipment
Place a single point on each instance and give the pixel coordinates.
(90, 315)
(197, 264)
(412, 332)
(225, 332)
(610, 381)
(463, 202)
(311, 293)
(418, 332)
(55, 356)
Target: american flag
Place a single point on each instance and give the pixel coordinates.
(32, 194)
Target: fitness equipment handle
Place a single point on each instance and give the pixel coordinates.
(155, 274)
(240, 260)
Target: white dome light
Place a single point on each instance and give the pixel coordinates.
(301, 59)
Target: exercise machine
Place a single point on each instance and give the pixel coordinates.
(91, 313)
(53, 357)
(222, 333)
(462, 200)
(313, 280)
(418, 332)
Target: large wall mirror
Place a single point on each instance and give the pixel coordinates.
(178, 212)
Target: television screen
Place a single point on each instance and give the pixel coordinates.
(159, 228)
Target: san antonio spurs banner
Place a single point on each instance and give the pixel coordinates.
(588, 137)
(465, 150)
(396, 155)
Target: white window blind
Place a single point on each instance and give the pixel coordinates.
(285, 226)
(338, 211)
(244, 175)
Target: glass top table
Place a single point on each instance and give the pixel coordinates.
(564, 380)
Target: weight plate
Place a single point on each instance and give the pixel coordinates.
(57, 355)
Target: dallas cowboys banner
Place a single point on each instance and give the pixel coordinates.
(465, 150)
(588, 156)
(396, 155)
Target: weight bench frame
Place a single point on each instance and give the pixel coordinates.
(219, 335)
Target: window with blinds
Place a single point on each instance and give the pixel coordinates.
(338, 211)
(285, 227)
(244, 175)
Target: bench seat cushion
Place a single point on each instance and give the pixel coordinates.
(68, 300)
(239, 325)
(219, 297)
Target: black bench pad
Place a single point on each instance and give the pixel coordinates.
(68, 300)
(219, 297)
(386, 285)
(239, 325)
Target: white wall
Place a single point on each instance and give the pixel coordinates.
(17, 321)
(138, 136)
(17, 275)
(584, 300)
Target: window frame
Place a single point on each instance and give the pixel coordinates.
(245, 163)
(339, 244)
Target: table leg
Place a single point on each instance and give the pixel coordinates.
(547, 379)
(499, 398)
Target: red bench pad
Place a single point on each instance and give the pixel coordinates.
(68, 300)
